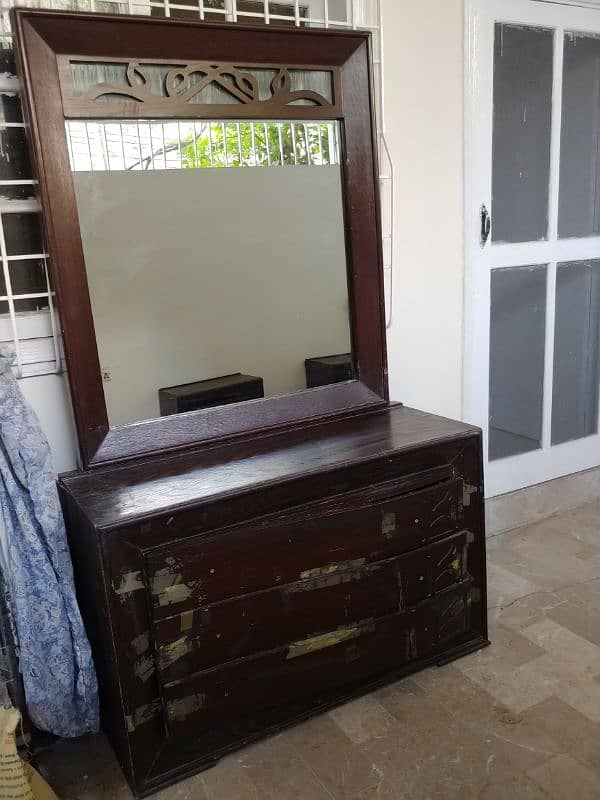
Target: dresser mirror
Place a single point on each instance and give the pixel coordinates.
(209, 196)
(211, 249)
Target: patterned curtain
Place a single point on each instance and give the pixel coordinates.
(54, 654)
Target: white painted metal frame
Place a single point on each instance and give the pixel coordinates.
(549, 462)
(35, 337)
(100, 146)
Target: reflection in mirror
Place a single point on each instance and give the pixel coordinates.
(215, 259)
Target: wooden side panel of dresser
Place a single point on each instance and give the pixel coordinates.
(223, 622)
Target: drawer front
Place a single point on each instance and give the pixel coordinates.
(281, 549)
(323, 600)
(308, 669)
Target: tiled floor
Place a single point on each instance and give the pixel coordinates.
(518, 720)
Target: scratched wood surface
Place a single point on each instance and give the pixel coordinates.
(312, 666)
(199, 570)
(324, 600)
(120, 495)
(260, 583)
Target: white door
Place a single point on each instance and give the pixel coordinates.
(532, 301)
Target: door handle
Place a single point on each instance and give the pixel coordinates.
(486, 225)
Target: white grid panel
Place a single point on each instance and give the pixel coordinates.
(28, 319)
(140, 145)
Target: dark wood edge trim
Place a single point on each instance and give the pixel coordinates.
(227, 423)
(103, 623)
(483, 543)
(378, 224)
(72, 315)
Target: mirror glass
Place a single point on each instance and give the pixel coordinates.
(215, 258)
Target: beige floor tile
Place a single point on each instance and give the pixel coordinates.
(544, 568)
(278, 773)
(484, 716)
(508, 646)
(520, 788)
(547, 555)
(385, 790)
(517, 688)
(584, 523)
(580, 612)
(341, 768)
(526, 611)
(559, 727)
(190, 789)
(566, 648)
(363, 719)
(504, 586)
(228, 780)
(564, 778)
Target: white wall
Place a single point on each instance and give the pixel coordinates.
(423, 63)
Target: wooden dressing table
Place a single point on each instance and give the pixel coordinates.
(243, 567)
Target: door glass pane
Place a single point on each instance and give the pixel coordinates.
(579, 207)
(576, 340)
(517, 344)
(522, 130)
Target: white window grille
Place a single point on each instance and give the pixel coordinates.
(100, 146)
(28, 319)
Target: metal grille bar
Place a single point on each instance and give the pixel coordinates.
(140, 145)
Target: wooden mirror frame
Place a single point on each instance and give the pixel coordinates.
(46, 41)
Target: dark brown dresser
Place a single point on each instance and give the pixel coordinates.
(241, 567)
(233, 591)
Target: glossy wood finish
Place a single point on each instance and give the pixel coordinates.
(236, 589)
(46, 38)
(191, 640)
(276, 469)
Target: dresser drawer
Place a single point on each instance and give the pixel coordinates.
(311, 667)
(284, 548)
(323, 600)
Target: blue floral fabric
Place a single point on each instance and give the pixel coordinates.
(54, 654)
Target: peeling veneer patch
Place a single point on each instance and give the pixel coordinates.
(468, 490)
(169, 588)
(411, 644)
(327, 581)
(141, 643)
(332, 569)
(179, 710)
(187, 621)
(388, 525)
(144, 667)
(143, 714)
(325, 640)
(128, 582)
(172, 652)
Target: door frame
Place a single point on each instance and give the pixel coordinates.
(549, 462)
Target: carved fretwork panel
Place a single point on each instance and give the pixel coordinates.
(200, 89)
